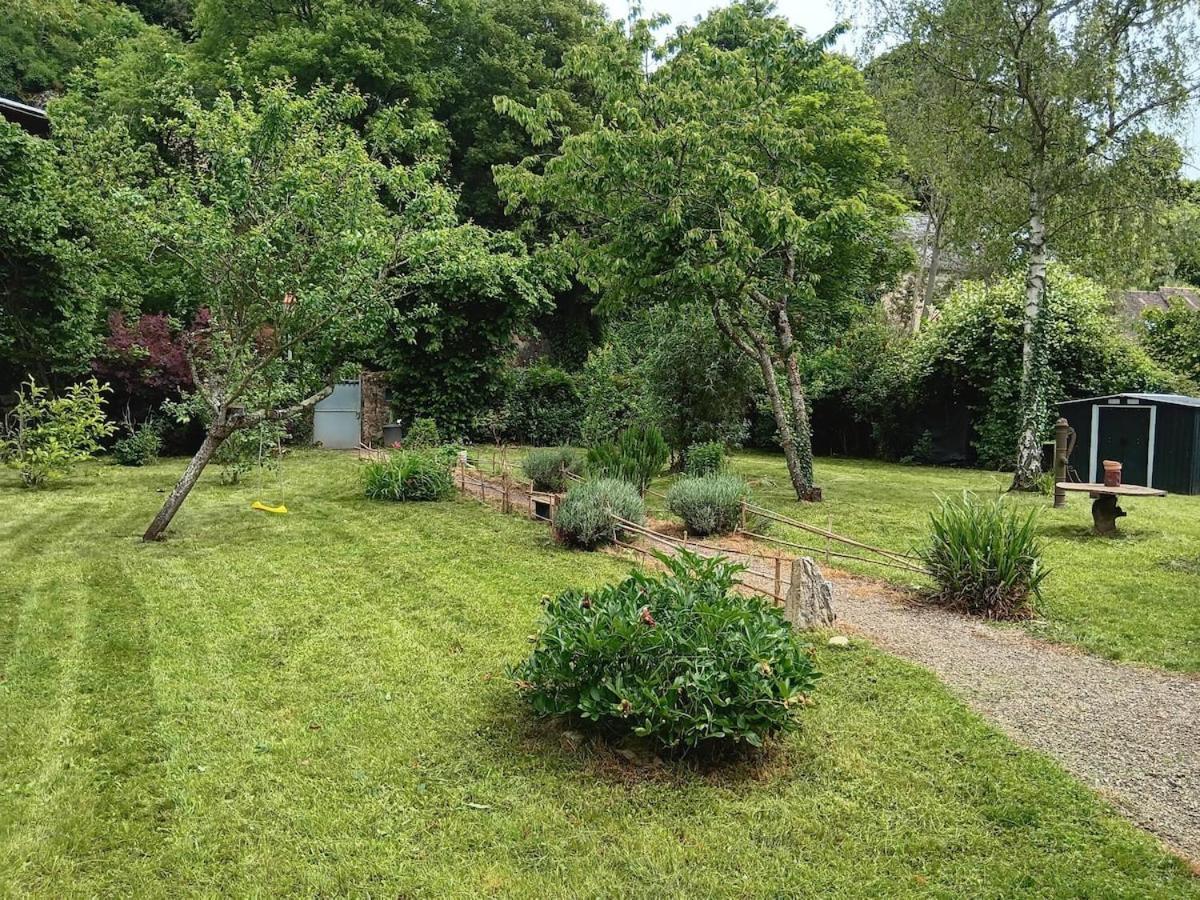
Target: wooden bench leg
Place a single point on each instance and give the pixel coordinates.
(1105, 513)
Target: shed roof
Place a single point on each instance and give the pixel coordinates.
(1174, 399)
(32, 119)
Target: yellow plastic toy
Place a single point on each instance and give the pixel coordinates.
(262, 507)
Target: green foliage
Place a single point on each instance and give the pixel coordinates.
(247, 449)
(47, 435)
(140, 448)
(51, 302)
(42, 41)
(544, 406)
(707, 458)
(637, 456)
(547, 467)
(584, 518)
(708, 504)
(422, 434)
(971, 354)
(766, 201)
(613, 393)
(985, 557)
(679, 658)
(410, 475)
(1172, 338)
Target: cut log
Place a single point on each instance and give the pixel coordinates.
(809, 600)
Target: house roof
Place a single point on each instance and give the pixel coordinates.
(1133, 303)
(32, 119)
(1174, 399)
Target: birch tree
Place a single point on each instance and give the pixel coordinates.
(1051, 99)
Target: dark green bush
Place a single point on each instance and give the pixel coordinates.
(637, 457)
(422, 434)
(706, 458)
(710, 504)
(677, 657)
(584, 518)
(547, 467)
(141, 448)
(410, 475)
(544, 406)
(985, 557)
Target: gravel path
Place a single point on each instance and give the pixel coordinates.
(1131, 733)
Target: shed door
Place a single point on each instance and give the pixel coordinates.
(1124, 435)
(337, 420)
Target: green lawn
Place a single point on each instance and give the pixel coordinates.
(315, 704)
(1135, 597)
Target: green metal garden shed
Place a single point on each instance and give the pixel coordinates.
(1155, 437)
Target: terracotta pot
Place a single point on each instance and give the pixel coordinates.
(1112, 473)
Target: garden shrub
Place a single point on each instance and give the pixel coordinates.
(637, 457)
(584, 518)
(140, 448)
(410, 475)
(544, 406)
(547, 467)
(49, 434)
(708, 504)
(677, 657)
(422, 434)
(613, 394)
(705, 458)
(985, 557)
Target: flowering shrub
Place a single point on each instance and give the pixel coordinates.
(676, 657)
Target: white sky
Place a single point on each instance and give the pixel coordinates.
(818, 16)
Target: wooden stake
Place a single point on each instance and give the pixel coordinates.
(778, 575)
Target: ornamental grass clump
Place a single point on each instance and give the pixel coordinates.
(548, 467)
(985, 557)
(710, 504)
(677, 657)
(410, 475)
(585, 516)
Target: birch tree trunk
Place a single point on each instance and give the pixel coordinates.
(925, 300)
(1028, 470)
(212, 442)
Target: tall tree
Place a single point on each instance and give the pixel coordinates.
(1049, 104)
(748, 171)
(296, 244)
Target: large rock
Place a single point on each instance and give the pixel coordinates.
(809, 601)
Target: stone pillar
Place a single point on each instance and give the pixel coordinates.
(809, 600)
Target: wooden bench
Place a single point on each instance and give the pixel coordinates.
(1105, 510)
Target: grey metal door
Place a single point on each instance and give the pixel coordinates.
(337, 420)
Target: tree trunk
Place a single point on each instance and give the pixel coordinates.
(801, 423)
(925, 301)
(1028, 470)
(801, 483)
(212, 442)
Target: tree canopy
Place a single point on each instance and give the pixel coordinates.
(747, 170)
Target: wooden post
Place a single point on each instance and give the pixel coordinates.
(778, 577)
(742, 525)
(829, 528)
(505, 502)
(1062, 451)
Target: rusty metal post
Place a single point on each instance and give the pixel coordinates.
(1062, 432)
